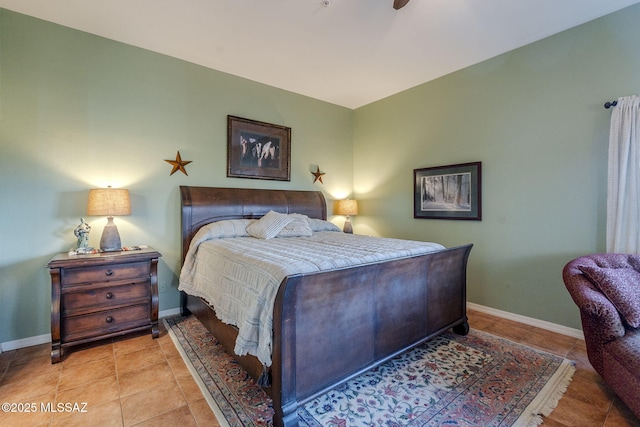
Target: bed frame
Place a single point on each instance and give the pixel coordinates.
(332, 326)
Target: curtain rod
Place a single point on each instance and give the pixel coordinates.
(608, 104)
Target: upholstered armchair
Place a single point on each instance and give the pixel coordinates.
(606, 289)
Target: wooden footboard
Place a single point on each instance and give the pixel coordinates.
(330, 327)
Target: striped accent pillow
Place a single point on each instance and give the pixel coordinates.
(269, 225)
(299, 227)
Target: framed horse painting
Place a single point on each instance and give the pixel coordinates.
(258, 150)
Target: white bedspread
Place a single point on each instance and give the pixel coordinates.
(239, 275)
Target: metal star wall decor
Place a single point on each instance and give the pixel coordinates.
(317, 176)
(178, 164)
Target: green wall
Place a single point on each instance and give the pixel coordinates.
(79, 111)
(535, 119)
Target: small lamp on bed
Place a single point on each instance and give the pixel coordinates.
(109, 202)
(347, 207)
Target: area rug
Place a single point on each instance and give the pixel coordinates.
(476, 380)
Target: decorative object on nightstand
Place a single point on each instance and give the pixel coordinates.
(101, 296)
(109, 202)
(82, 233)
(347, 207)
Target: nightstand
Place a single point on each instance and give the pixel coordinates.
(102, 295)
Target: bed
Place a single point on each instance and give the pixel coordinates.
(333, 325)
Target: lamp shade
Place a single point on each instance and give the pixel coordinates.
(347, 207)
(108, 202)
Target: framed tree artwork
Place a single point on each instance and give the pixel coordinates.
(448, 192)
(258, 150)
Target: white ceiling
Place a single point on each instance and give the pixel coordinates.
(350, 53)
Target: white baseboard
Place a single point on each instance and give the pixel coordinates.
(25, 342)
(542, 324)
(46, 338)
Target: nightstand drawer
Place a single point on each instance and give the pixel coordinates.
(104, 297)
(105, 322)
(103, 273)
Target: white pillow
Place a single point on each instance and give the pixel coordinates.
(269, 225)
(321, 225)
(299, 227)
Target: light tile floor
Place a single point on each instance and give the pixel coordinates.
(135, 381)
(140, 381)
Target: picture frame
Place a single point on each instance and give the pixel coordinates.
(258, 150)
(448, 192)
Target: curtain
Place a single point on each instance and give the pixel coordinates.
(623, 198)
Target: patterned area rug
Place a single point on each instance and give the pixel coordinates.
(477, 380)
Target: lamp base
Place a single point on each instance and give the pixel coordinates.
(110, 240)
(347, 227)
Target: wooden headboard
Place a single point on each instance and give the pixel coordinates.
(204, 205)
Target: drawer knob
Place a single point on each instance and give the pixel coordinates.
(109, 319)
(109, 272)
(109, 295)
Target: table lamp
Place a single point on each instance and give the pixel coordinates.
(110, 202)
(347, 207)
